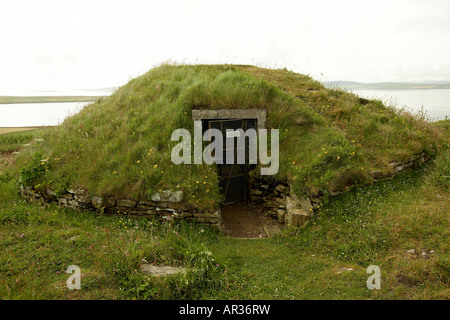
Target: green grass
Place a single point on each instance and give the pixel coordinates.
(329, 139)
(370, 225)
(39, 242)
(374, 224)
(13, 141)
(46, 99)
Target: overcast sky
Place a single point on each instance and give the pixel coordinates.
(96, 44)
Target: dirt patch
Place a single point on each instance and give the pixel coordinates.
(6, 160)
(248, 221)
(407, 280)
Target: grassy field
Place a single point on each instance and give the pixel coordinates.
(373, 225)
(45, 99)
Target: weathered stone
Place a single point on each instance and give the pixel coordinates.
(165, 195)
(109, 201)
(161, 271)
(97, 201)
(273, 204)
(176, 196)
(126, 203)
(255, 198)
(156, 197)
(83, 198)
(281, 200)
(68, 196)
(77, 191)
(281, 215)
(164, 209)
(179, 205)
(282, 188)
(291, 204)
(376, 174)
(271, 229)
(306, 204)
(297, 217)
(394, 164)
(344, 269)
(50, 192)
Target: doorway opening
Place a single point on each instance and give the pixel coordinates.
(233, 178)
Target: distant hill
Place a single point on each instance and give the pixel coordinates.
(387, 85)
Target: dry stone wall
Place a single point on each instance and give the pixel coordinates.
(167, 205)
(277, 197)
(281, 202)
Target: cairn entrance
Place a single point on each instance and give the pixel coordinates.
(233, 176)
(241, 217)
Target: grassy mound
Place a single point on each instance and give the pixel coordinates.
(120, 145)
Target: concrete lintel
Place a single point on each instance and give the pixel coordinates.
(259, 114)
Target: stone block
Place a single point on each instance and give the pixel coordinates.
(176, 196)
(126, 203)
(297, 218)
(97, 201)
(306, 204)
(282, 188)
(281, 215)
(84, 198)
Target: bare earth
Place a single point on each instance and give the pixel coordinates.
(244, 221)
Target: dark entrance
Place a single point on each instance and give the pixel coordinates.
(233, 177)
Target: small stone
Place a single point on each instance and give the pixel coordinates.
(165, 195)
(306, 204)
(176, 196)
(126, 203)
(297, 217)
(282, 188)
(411, 251)
(83, 198)
(156, 197)
(394, 164)
(50, 192)
(344, 269)
(160, 271)
(97, 201)
(376, 174)
(281, 215)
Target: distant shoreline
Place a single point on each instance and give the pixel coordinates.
(46, 99)
(5, 130)
(351, 85)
